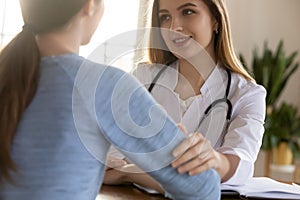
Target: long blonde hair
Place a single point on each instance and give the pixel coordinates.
(223, 43)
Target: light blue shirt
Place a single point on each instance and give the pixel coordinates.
(62, 139)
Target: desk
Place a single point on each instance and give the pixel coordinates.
(128, 193)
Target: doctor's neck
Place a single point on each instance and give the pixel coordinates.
(201, 65)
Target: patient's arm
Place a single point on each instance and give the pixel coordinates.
(119, 172)
(134, 123)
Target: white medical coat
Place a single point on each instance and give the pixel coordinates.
(242, 137)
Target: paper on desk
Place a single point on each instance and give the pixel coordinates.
(265, 187)
(148, 190)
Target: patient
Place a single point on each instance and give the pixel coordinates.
(59, 113)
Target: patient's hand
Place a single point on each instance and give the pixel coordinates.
(114, 177)
(120, 175)
(112, 163)
(129, 174)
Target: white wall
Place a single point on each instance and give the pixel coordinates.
(254, 21)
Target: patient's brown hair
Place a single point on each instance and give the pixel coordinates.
(19, 68)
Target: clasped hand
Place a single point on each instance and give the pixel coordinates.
(195, 155)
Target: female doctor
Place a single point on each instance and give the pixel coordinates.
(215, 97)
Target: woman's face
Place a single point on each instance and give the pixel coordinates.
(187, 26)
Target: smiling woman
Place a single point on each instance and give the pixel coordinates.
(193, 72)
(116, 20)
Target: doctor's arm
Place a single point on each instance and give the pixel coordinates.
(234, 160)
(195, 156)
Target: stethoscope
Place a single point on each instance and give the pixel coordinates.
(212, 105)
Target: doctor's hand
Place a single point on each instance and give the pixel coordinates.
(195, 155)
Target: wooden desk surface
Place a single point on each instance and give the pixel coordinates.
(126, 193)
(129, 193)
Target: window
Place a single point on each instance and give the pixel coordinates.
(119, 17)
(10, 20)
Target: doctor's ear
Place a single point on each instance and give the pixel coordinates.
(216, 27)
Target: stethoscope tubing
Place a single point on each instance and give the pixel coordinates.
(213, 104)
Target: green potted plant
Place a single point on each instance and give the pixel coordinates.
(282, 134)
(273, 69)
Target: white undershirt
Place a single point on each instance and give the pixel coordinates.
(185, 104)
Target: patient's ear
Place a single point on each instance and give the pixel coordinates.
(89, 7)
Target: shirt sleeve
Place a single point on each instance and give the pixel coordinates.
(245, 131)
(137, 73)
